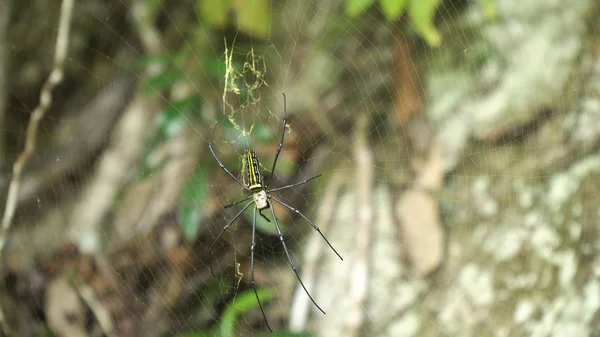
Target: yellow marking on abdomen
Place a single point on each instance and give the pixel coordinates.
(253, 178)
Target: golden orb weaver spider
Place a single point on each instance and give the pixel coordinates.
(262, 198)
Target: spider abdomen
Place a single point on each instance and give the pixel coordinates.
(255, 178)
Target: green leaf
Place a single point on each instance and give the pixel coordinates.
(393, 9)
(489, 9)
(288, 334)
(421, 13)
(213, 12)
(162, 81)
(356, 7)
(191, 211)
(243, 302)
(198, 334)
(254, 16)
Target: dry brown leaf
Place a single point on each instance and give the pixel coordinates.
(407, 100)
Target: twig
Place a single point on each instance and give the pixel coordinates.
(55, 78)
(359, 277)
(91, 128)
(5, 10)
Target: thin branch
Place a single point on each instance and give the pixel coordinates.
(5, 10)
(4, 18)
(56, 76)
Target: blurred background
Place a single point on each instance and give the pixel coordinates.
(458, 142)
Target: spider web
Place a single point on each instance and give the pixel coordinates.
(460, 170)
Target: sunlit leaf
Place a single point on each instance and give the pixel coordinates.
(254, 16)
(489, 9)
(242, 303)
(421, 13)
(213, 12)
(356, 7)
(194, 193)
(393, 9)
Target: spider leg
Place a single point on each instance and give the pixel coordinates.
(290, 258)
(310, 222)
(220, 234)
(252, 269)
(280, 142)
(238, 202)
(217, 158)
(294, 185)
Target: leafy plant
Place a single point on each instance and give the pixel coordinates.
(252, 16)
(242, 303)
(169, 123)
(421, 13)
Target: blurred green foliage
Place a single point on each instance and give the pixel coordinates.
(169, 122)
(191, 212)
(252, 16)
(264, 225)
(162, 81)
(421, 13)
(489, 9)
(242, 303)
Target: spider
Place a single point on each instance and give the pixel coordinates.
(262, 199)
